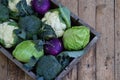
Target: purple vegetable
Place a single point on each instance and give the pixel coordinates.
(53, 47)
(41, 6)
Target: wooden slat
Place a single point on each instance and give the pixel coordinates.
(28, 77)
(21, 74)
(117, 39)
(72, 75)
(3, 67)
(73, 6)
(86, 67)
(105, 47)
(12, 71)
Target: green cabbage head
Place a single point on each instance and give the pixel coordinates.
(76, 38)
(25, 50)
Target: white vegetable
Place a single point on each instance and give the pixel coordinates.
(7, 37)
(28, 2)
(53, 19)
(12, 5)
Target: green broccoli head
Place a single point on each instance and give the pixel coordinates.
(30, 26)
(48, 67)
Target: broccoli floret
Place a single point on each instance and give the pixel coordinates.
(30, 26)
(48, 67)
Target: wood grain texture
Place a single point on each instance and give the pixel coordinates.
(102, 63)
(12, 71)
(86, 67)
(21, 74)
(117, 39)
(105, 46)
(73, 6)
(3, 67)
(28, 77)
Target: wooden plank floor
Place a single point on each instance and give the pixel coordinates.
(102, 62)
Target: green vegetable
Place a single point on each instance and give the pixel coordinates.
(25, 50)
(48, 67)
(4, 13)
(73, 54)
(19, 8)
(65, 57)
(7, 36)
(46, 32)
(4, 2)
(76, 38)
(65, 13)
(23, 8)
(29, 27)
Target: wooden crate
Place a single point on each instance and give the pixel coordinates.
(76, 21)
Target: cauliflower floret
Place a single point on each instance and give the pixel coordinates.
(28, 2)
(12, 5)
(7, 37)
(53, 19)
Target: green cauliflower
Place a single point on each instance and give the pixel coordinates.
(7, 36)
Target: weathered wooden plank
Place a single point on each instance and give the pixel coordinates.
(12, 71)
(28, 77)
(73, 6)
(21, 74)
(117, 39)
(105, 47)
(86, 67)
(3, 67)
(72, 75)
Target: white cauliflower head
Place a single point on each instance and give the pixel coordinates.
(7, 37)
(53, 19)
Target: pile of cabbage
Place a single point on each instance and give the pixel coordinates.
(41, 36)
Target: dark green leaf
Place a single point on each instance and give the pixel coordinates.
(4, 13)
(40, 78)
(47, 32)
(73, 54)
(14, 15)
(23, 8)
(39, 44)
(63, 60)
(28, 66)
(65, 57)
(20, 33)
(65, 14)
(4, 2)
